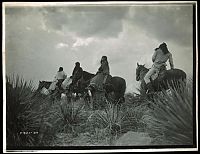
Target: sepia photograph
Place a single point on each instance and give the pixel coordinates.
(100, 76)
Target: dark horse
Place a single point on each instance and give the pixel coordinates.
(166, 79)
(43, 84)
(116, 86)
(82, 83)
(46, 84)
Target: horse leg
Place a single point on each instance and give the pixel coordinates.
(91, 99)
(122, 100)
(143, 88)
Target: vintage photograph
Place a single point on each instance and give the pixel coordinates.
(100, 76)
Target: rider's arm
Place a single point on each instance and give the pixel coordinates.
(81, 71)
(73, 72)
(105, 68)
(64, 75)
(154, 56)
(55, 77)
(171, 61)
(100, 69)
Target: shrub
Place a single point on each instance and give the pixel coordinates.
(71, 116)
(22, 112)
(171, 119)
(132, 119)
(110, 121)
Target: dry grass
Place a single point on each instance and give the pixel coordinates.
(169, 121)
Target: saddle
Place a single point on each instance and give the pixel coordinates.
(159, 74)
(100, 87)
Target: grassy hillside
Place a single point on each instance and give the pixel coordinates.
(33, 119)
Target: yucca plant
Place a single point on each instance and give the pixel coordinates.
(132, 119)
(71, 116)
(171, 119)
(22, 112)
(133, 109)
(109, 120)
(49, 125)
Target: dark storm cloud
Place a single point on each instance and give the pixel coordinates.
(40, 39)
(86, 21)
(166, 22)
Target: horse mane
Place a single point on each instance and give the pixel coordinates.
(87, 75)
(45, 84)
(144, 69)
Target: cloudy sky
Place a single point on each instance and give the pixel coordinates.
(38, 40)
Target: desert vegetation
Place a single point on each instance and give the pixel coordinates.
(34, 120)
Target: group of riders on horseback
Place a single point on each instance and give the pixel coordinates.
(103, 81)
(99, 80)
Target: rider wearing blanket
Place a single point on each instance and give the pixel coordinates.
(104, 68)
(77, 73)
(102, 74)
(159, 58)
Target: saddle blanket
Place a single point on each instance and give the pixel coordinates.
(44, 91)
(53, 85)
(66, 83)
(155, 75)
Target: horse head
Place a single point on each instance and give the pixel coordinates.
(42, 84)
(139, 69)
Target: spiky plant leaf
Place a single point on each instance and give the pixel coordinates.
(172, 116)
(22, 112)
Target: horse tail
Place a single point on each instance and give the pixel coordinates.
(184, 79)
(180, 79)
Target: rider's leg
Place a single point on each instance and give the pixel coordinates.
(147, 78)
(149, 74)
(105, 78)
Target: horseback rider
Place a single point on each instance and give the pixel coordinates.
(60, 77)
(159, 58)
(77, 73)
(104, 68)
(102, 74)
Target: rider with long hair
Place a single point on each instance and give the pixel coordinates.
(159, 58)
(104, 68)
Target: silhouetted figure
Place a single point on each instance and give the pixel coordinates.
(159, 58)
(102, 74)
(77, 73)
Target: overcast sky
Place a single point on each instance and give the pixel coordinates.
(38, 40)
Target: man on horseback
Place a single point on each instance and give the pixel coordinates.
(104, 68)
(102, 74)
(159, 58)
(60, 77)
(77, 73)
